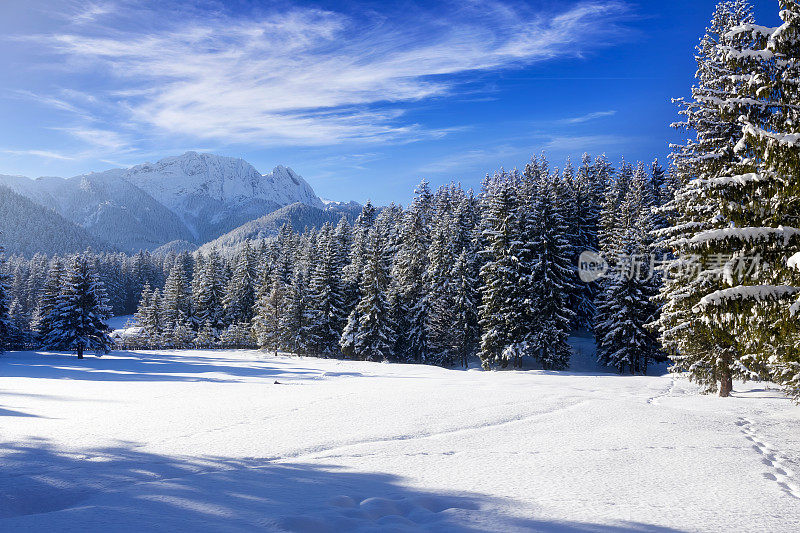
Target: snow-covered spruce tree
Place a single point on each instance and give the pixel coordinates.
(615, 193)
(441, 255)
(410, 273)
(658, 186)
(78, 318)
(208, 292)
(608, 231)
(5, 318)
(762, 198)
(550, 272)
(585, 201)
(176, 302)
(723, 212)
(206, 337)
(267, 315)
(150, 319)
(464, 287)
(356, 253)
(18, 326)
(283, 253)
(368, 334)
(452, 272)
(183, 335)
(625, 306)
(501, 310)
(43, 317)
(326, 295)
(236, 336)
(293, 324)
(240, 293)
(35, 283)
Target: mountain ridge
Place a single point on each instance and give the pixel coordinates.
(193, 198)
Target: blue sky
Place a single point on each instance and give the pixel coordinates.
(361, 98)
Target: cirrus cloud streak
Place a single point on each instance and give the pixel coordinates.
(312, 77)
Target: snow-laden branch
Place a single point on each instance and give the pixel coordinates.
(786, 139)
(742, 234)
(722, 181)
(766, 31)
(754, 293)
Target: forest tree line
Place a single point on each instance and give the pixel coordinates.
(451, 276)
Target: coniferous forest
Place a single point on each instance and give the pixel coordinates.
(702, 256)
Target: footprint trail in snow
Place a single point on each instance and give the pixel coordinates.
(771, 458)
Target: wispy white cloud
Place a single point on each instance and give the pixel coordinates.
(91, 11)
(515, 152)
(39, 153)
(54, 102)
(589, 116)
(100, 138)
(485, 158)
(585, 143)
(314, 77)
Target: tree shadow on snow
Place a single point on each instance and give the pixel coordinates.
(145, 366)
(124, 489)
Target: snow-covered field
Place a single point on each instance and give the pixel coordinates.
(239, 440)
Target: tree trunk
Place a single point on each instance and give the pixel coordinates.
(80, 351)
(725, 383)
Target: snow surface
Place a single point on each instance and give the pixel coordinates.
(243, 441)
(794, 261)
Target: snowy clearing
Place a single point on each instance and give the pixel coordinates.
(207, 440)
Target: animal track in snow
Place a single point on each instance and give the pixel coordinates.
(770, 457)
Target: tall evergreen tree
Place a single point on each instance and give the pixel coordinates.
(717, 207)
(357, 244)
(44, 316)
(452, 270)
(5, 318)
(410, 273)
(294, 322)
(626, 307)
(240, 292)
(78, 322)
(176, 303)
(550, 273)
(269, 306)
(761, 196)
(501, 311)
(208, 292)
(368, 334)
(584, 216)
(326, 295)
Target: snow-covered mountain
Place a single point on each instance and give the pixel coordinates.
(193, 197)
(108, 207)
(214, 194)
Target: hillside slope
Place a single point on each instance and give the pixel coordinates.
(28, 228)
(299, 216)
